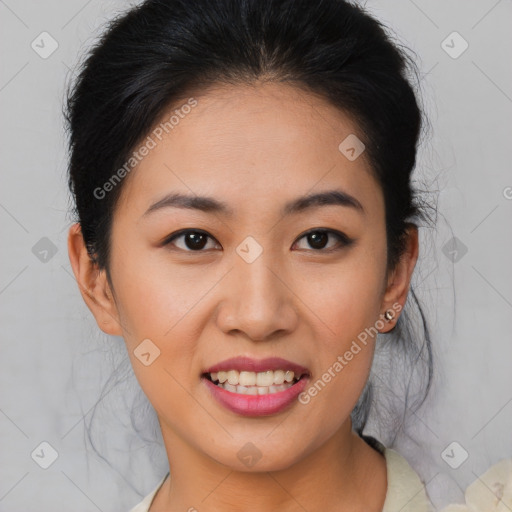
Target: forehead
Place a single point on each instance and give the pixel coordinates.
(262, 144)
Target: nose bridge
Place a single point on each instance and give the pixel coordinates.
(258, 303)
(252, 262)
(259, 283)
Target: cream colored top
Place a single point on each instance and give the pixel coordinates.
(406, 492)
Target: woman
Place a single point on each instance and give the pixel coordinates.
(246, 222)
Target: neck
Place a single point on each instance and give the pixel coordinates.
(343, 470)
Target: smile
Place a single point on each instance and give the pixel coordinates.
(252, 383)
(255, 388)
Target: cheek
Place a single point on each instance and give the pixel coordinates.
(157, 302)
(345, 300)
(164, 303)
(154, 296)
(346, 297)
(348, 308)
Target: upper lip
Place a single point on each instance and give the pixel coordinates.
(248, 364)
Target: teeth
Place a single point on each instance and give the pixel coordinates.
(255, 390)
(233, 377)
(261, 379)
(264, 378)
(229, 387)
(278, 377)
(247, 378)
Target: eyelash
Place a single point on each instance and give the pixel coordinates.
(343, 240)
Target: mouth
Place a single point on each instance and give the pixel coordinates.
(251, 387)
(254, 383)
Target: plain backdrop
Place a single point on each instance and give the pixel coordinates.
(55, 361)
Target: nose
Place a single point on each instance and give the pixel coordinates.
(258, 301)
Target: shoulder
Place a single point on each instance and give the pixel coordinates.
(144, 505)
(491, 491)
(406, 492)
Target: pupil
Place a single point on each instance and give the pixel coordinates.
(195, 240)
(318, 239)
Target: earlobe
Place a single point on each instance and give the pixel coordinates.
(93, 284)
(399, 281)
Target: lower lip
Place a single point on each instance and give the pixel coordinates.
(256, 405)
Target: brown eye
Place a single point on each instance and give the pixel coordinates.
(318, 239)
(192, 240)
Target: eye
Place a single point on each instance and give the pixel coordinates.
(318, 239)
(194, 240)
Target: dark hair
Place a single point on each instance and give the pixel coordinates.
(162, 50)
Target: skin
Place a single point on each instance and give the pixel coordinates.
(255, 148)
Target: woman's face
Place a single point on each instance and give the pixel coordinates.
(252, 283)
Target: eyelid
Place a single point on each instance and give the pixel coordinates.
(169, 239)
(343, 239)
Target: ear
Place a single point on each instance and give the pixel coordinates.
(93, 284)
(399, 280)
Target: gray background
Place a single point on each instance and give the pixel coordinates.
(55, 360)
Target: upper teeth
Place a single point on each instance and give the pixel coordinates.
(268, 378)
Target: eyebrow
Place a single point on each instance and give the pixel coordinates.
(301, 204)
